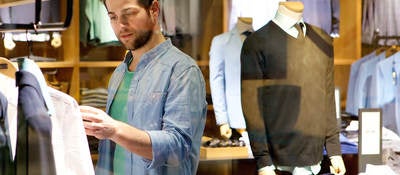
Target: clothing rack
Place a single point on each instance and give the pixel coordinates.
(378, 38)
(37, 26)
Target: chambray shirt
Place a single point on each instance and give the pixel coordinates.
(355, 67)
(166, 99)
(363, 83)
(384, 91)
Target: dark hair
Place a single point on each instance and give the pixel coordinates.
(143, 3)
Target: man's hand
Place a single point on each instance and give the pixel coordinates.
(269, 170)
(337, 167)
(225, 130)
(97, 123)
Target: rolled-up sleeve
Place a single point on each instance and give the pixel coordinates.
(183, 120)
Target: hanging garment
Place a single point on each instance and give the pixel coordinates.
(70, 145)
(34, 152)
(75, 146)
(25, 14)
(95, 26)
(324, 14)
(180, 17)
(363, 83)
(6, 162)
(354, 73)
(383, 91)
(380, 16)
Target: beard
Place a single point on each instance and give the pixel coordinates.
(142, 39)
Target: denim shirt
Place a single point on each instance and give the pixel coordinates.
(167, 100)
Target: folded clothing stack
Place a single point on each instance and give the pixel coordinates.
(215, 142)
(96, 97)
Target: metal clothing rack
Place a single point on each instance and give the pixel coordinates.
(37, 26)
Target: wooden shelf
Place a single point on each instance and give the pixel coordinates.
(11, 3)
(343, 61)
(56, 64)
(99, 64)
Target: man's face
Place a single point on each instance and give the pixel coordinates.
(133, 25)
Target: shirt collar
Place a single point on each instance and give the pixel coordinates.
(285, 22)
(150, 55)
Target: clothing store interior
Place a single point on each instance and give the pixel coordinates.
(292, 86)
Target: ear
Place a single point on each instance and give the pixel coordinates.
(155, 9)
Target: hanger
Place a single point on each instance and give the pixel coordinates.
(31, 55)
(392, 50)
(7, 67)
(380, 50)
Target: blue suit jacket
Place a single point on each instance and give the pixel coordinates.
(225, 78)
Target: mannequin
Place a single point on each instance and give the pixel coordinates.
(225, 78)
(277, 96)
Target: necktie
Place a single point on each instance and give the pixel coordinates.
(246, 33)
(299, 27)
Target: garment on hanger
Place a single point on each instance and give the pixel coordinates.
(354, 69)
(25, 13)
(34, 150)
(383, 91)
(362, 85)
(180, 17)
(95, 26)
(382, 17)
(6, 161)
(70, 145)
(324, 14)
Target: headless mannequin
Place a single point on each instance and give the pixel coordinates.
(243, 24)
(290, 13)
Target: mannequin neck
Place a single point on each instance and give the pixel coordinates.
(244, 24)
(293, 10)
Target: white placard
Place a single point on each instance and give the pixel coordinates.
(371, 133)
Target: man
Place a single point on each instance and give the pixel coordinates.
(156, 108)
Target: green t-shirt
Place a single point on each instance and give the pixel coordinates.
(118, 111)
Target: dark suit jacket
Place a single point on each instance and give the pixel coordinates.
(34, 153)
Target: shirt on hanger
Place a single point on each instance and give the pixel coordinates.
(350, 105)
(363, 83)
(383, 91)
(70, 145)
